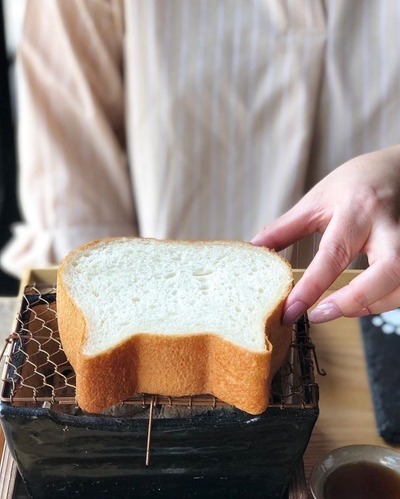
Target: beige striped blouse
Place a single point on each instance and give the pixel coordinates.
(192, 118)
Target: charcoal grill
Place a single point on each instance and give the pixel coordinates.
(149, 445)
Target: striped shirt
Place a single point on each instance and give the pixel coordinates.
(197, 119)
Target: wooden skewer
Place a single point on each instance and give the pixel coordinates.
(149, 431)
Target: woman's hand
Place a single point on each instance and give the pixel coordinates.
(357, 208)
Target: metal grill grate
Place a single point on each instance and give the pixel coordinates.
(37, 373)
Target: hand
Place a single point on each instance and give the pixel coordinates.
(357, 208)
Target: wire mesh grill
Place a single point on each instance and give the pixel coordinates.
(37, 373)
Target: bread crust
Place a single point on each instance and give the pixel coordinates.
(173, 365)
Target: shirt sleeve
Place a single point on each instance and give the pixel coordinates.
(74, 182)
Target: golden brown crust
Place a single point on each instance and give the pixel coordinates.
(173, 365)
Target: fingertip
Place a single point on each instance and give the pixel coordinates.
(325, 312)
(257, 240)
(293, 312)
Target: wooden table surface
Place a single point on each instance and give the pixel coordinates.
(8, 311)
(346, 411)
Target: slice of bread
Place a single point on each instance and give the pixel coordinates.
(173, 318)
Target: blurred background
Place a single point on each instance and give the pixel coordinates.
(11, 17)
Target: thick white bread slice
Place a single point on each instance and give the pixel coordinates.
(173, 318)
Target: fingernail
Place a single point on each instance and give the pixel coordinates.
(257, 239)
(294, 312)
(325, 312)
